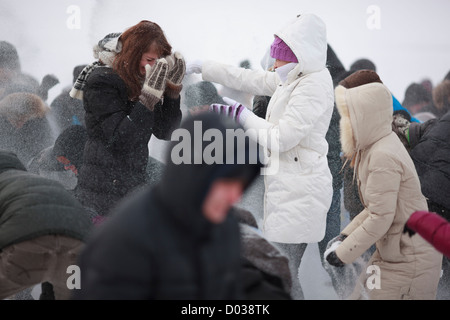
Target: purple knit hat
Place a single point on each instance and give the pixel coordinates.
(279, 50)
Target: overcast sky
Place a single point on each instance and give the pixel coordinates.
(408, 40)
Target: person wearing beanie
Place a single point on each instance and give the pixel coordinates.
(178, 239)
(408, 268)
(363, 64)
(292, 134)
(199, 96)
(280, 51)
(416, 98)
(69, 146)
(63, 160)
(131, 92)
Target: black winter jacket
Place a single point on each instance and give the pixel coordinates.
(430, 151)
(119, 130)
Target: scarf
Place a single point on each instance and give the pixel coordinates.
(105, 52)
(284, 70)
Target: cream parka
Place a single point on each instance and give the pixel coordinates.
(298, 182)
(389, 186)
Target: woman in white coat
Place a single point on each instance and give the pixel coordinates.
(298, 182)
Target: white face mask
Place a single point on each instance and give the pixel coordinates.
(284, 70)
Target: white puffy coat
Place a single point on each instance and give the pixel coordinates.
(298, 182)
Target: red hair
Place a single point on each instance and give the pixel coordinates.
(135, 42)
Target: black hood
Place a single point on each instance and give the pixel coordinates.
(184, 186)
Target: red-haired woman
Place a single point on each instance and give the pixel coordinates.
(130, 93)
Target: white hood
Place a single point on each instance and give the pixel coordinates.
(306, 35)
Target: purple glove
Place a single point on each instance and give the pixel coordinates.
(235, 110)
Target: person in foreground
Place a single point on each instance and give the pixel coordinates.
(180, 238)
(401, 267)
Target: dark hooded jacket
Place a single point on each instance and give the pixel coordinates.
(430, 151)
(116, 152)
(159, 245)
(33, 206)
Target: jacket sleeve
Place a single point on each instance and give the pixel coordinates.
(167, 117)
(255, 82)
(380, 196)
(417, 130)
(356, 222)
(433, 228)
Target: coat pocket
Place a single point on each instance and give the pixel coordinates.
(389, 248)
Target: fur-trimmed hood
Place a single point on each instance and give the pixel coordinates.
(366, 115)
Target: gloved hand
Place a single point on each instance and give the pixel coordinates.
(330, 255)
(334, 260)
(48, 82)
(194, 67)
(409, 230)
(177, 70)
(154, 83)
(330, 252)
(234, 110)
